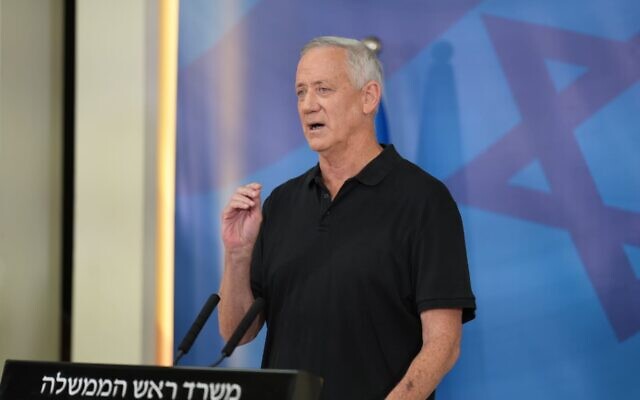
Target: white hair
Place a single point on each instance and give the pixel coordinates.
(362, 63)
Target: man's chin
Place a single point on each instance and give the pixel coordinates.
(317, 145)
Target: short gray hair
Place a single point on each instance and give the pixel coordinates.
(363, 64)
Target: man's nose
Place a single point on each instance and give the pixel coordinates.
(309, 102)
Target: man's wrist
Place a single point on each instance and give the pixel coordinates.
(238, 255)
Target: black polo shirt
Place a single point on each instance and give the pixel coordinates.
(345, 280)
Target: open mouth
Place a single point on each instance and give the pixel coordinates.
(315, 126)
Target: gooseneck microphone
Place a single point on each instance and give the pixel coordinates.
(195, 329)
(242, 328)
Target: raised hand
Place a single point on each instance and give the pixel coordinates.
(241, 218)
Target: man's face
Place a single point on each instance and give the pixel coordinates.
(330, 107)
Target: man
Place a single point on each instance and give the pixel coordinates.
(361, 260)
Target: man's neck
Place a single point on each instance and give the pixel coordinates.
(345, 163)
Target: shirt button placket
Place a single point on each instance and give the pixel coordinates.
(326, 206)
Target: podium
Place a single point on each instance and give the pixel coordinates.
(27, 380)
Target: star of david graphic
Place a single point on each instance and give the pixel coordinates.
(546, 134)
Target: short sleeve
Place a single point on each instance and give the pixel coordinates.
(439, 258)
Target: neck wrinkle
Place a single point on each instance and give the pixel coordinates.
(337, 168)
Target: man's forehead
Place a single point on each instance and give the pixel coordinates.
(321, 63)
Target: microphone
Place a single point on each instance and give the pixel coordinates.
(195, 329)
(241, 329)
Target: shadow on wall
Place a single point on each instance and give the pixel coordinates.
(439, 143)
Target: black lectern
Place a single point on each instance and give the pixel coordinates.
(26, 380)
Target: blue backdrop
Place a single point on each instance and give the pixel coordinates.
(529, 111)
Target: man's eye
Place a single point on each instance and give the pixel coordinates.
(323, 90)
(300, 93)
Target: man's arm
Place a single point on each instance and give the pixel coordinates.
(241, 221)
(441, 333)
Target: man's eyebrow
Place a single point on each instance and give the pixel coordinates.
(315, 83)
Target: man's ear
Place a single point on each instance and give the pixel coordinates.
(371, 94)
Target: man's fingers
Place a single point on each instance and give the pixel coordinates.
(244, 198)
(249, 190)
(240, 201)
